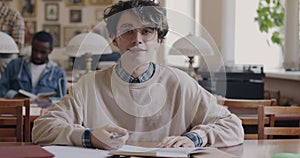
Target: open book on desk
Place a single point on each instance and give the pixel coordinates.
(38, 96)
(129, 150)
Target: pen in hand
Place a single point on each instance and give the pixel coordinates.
(116, 136)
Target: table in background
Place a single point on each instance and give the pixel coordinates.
(37, 109)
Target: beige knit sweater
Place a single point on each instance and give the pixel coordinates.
(170, 103)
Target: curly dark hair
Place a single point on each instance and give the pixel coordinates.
(147, 10)
(43, 36)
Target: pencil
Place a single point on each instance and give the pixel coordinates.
(118, 136)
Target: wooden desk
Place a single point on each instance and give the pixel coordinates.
(18, 149)
(264, 148)
(249, 149)
(258, 148)
(15, 143)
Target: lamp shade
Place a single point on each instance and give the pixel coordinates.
(191, 45)
(7, 44)
(88, 43)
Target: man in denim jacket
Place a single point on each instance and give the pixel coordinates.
(35, 74)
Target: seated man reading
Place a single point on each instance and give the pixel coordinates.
(35, 74)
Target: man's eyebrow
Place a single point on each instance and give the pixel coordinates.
(126, 25)
(149, 26)
(131, 26)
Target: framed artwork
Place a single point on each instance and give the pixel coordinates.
(27, 8)
(54, 30)
(101, 2)
(99, 14)
(74, 2)
(51, 11)
(75, 15)
(71, 31)
(30, 29)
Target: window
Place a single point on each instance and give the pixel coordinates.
(251, 45)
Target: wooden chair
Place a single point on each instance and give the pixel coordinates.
(13, 125)
(272, 94)
(247, 111)
(272, 130)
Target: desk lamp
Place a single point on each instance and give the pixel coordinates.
(191, 46)
(7, 44)
(88, 44)
(7, 47)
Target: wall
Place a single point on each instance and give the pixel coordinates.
(198, 18)
(181, 23)
(210, 17)
(64, 28)
(88, 15)
(291, 39)
(289, 89)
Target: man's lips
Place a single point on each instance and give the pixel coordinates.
(137, 49)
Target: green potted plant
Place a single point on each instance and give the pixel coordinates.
(270, 18)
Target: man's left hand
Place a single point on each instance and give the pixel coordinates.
(176, 141)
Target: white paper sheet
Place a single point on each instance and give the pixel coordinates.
(75, 152)
(159, 152)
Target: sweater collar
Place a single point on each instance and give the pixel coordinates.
(128, 78)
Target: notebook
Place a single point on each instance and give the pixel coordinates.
(129, 150)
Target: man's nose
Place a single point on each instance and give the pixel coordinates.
(137, 37)
(37, 54)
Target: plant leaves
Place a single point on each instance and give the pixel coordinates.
(270, 16)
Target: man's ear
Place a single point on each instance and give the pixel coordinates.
(50, 51)
(159, 40)
(114, 41)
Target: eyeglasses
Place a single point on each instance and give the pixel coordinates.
(128, 33)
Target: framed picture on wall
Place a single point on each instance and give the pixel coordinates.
(54, 30)
(51, 11)
(75, 15)
(101, 2)
(30, 29)
(74, 2)
(27, 8)
(71, 31)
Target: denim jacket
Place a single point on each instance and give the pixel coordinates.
(18, 76)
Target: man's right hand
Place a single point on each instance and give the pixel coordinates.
(101, 137)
